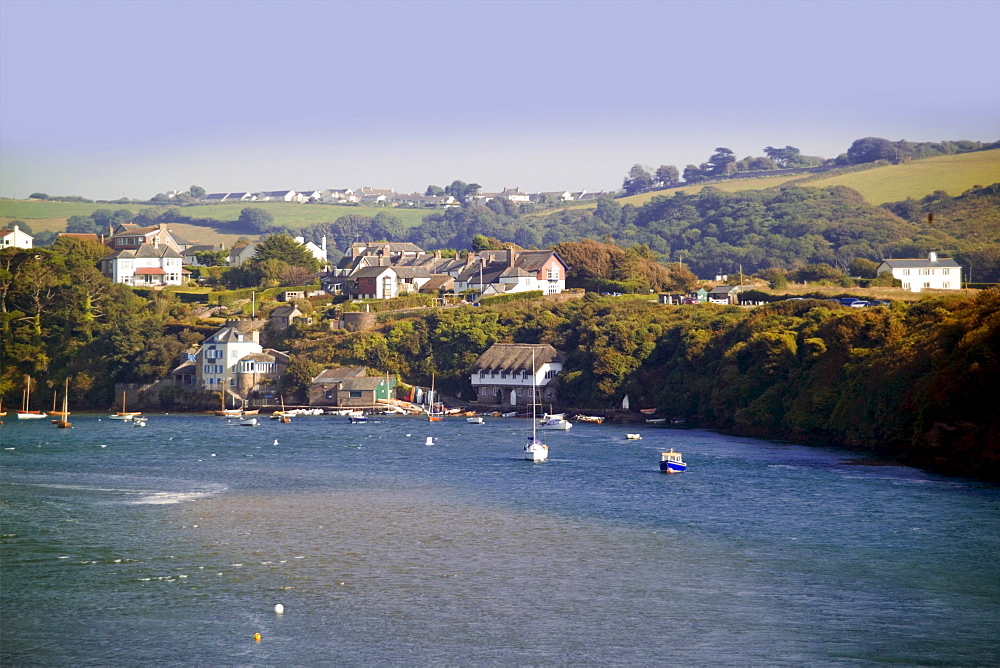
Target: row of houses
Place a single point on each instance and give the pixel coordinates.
(155, 256)
(386, 197)
(232, 362)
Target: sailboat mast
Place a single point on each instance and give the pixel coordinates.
(534, 421)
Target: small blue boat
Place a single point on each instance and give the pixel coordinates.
(671, 462)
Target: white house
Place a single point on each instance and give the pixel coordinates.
(515, 196)
(277, 196)
(340, 196)
(504, 373)
(220, 355)
(15, 238)
(931, 274)
(145, 256)
(318, 252)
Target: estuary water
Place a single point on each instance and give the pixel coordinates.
(171, 545)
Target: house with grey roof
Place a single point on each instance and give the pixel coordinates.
(508, 373)
(916, 274)
(283, 317)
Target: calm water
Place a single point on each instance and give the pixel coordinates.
(171, 544)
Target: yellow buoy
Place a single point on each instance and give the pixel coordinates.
(256, 637)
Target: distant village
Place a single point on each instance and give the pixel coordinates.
(366, 196)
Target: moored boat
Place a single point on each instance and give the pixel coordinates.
(633, 437)
(554, 423)
(672, 462)
(475, 419)
(123, 414)
(534, 450)
(594, 419)
(25, 413)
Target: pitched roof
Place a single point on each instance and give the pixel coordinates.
(920, 263)
(285, 311)
(360, 383)
(338, 374)
(516, 356)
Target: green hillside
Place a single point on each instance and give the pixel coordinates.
(953, 174)
(51, 216)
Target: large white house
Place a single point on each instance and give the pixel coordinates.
(145, 256)
(504, 373)
(934, 273)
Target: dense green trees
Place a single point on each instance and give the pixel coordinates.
(917, 381)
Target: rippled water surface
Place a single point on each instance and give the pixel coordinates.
(171, 544)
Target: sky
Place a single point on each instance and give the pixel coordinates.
(110, 99)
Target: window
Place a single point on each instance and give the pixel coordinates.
(906, 272)
(550, 374)
(207, 369)
(232, 354)
(354, 394)
(925, 272)
(503, 374)
(945, 272)
(946, 284)
(906, 286)
(552, 273)
(927, 285)
(482, 374)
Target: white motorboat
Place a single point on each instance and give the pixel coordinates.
(475, 419)
(556, 422)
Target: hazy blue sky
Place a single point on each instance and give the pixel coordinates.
(105, 99)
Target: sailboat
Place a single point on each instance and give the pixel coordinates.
(432, 415)
(227, 412)
(281, 415)
(122, 415)
(534, 449)
(63, 422)
(24, 413)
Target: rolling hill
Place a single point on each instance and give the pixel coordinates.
(953, 174)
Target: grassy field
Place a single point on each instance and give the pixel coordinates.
(45, 216)
(728, 186)
(953, 174)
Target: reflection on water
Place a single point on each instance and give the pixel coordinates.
(384, 551)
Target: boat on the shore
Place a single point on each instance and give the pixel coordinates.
(648, 411)
(656, 421)
(671, 462)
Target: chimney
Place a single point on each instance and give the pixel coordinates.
(437, 255)
(932, 256)
(510, 257)
(468, 258)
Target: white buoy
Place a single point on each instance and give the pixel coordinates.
(430, 440)
(279, 608)
(275, 441)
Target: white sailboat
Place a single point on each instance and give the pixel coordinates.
(25, 413)
(534, 450)
(122, 414)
